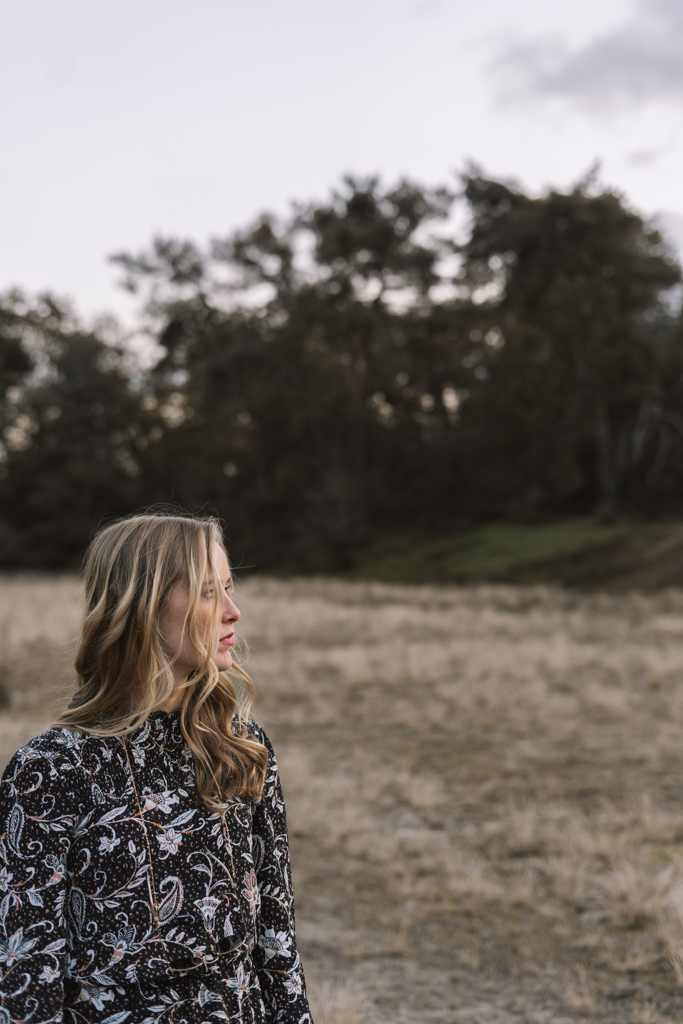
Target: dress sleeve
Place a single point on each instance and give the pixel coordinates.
(277, 959)
(35, 839)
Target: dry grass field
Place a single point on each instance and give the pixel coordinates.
(483, 784)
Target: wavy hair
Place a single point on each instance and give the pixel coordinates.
(124, 672)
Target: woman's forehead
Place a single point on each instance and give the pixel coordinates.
(220, 560)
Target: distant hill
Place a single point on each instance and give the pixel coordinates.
(578, 553)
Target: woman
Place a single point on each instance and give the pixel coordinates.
(144, 867)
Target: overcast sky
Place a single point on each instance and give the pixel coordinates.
(125, 118)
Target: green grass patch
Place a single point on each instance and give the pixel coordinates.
(491, 552)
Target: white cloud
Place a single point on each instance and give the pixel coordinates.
(639, 61)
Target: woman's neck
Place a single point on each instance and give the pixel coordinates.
(175, 700)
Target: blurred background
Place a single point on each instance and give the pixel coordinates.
(380, 272)
(394, 288)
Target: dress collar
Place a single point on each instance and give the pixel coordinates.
(163, 727)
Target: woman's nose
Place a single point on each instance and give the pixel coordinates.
(231, 612)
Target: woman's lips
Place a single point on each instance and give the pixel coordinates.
(228, 640)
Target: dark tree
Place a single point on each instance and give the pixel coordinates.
(308, 420)
(74, 430)
(573, 402)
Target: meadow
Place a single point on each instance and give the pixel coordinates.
(483, 786)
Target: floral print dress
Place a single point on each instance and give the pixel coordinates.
(122, 899)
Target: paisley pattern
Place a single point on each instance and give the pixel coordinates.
(133, 903)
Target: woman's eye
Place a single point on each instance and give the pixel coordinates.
(208, 593)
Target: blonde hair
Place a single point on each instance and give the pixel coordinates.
(124, 673)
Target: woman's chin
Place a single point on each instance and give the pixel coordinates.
(223, 661)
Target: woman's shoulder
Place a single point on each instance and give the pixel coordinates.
(57, 750)
(253, 729)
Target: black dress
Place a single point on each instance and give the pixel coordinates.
(122, 899)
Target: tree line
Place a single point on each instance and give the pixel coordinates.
(394, 360)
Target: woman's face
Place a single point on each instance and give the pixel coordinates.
(176, 639)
